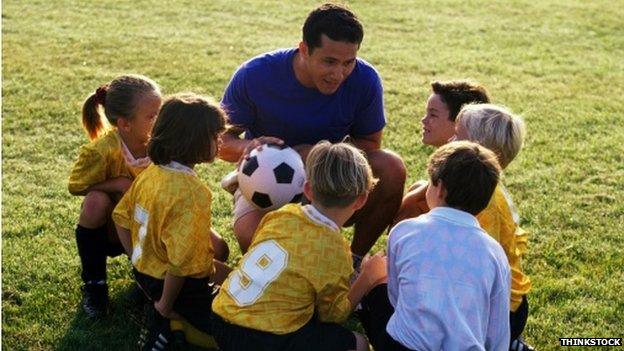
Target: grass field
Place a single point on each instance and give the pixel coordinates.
(558, 63)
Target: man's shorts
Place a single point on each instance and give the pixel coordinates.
(314, 335)
(242, 206)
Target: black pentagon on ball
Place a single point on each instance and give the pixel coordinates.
(261, 200)
(296, 199)
(250, 166)
(283, 173)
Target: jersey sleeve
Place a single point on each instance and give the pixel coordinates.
(122, 214)
(490, 220)
(236, 101)
(370, 116)
(89, 169)
(186, 236)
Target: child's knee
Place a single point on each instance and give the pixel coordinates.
(96, 208)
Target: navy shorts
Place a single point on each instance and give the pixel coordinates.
(314, 335)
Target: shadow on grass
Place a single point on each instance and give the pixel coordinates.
(117, 331)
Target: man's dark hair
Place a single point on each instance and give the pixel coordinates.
(457, 93)
(184, 129)
(336, 22)
(469, 173)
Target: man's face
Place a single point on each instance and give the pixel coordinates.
(330, 64)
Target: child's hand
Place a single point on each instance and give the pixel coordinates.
(375, 268)
(122, 184)
(165, 310)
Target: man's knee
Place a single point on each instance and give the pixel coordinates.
(389, 168)
(245, 227)
(96, 208)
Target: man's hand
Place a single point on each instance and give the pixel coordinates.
(254, 143)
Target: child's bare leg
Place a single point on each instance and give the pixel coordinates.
(221, 249)
(361, 342)
(92, 239)
(96, 207)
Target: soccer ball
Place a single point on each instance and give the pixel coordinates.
(272, 177)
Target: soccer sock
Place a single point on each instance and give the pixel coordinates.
(92, 243)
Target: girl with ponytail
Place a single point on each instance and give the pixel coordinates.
(118, 118)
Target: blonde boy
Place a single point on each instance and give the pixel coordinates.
(498, 129)
(448, 281)
(291, 288)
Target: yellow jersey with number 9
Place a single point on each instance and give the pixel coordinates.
(297, 263)
(167, 210)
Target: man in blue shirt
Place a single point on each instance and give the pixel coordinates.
(317, 91)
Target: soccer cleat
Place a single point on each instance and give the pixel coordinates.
(159, 335)
(95, 299)
(520, 345)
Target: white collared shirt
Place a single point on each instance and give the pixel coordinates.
(317, 217)
(449, 284)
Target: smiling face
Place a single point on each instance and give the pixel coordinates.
(144, 117)
(327, 66)
(437, 127)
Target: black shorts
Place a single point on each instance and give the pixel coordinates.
(374, 316)
(194, 301)
(314, 335)
(518, 319)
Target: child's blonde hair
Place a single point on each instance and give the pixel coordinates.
(118, 99)
(494, 127)
(338, 173)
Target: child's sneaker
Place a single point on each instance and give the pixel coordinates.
(95, 299)
(230, 182)
(520, 345)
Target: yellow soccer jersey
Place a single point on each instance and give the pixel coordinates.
(104, 158)
(167, 210)
(500, 220)
(298, 263)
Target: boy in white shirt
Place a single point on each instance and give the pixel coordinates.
(447, 280)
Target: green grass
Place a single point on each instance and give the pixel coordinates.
(558, 63)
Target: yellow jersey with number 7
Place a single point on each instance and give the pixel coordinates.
(167, 210)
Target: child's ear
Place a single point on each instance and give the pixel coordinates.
(123, 124)
(307, 190)
(360, 201)
(441, 191)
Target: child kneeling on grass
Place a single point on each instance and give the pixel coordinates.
(164, 220)
(501, 131)
(291, 288)
(104, 171)
(448, 281)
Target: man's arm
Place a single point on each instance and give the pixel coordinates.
(233, 147)
(367, 143)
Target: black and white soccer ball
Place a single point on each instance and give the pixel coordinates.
(272, 177)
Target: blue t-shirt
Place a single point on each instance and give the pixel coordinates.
(265, 98)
